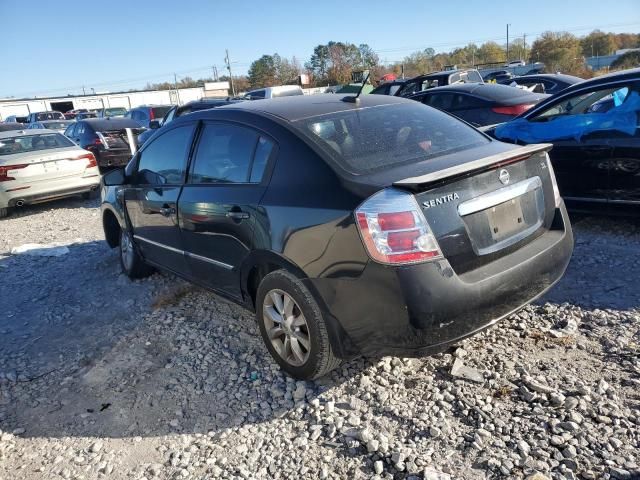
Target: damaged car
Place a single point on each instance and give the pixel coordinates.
(350, 226)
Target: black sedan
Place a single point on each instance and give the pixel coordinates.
(552, 83)
(106, 138)
(378, 226)
(480, 103)
(594, 127)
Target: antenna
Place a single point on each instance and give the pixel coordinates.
(355, 99)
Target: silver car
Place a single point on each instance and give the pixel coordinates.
(41, 165)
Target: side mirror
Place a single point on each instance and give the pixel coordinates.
(114, 177)
(154, 124)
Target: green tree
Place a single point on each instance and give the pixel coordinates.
(598, 43)
(626, 40)
(559, 51)
(263, 72)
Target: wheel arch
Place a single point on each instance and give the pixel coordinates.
(260, 263)
(112, 225)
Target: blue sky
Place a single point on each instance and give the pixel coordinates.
(56, 47)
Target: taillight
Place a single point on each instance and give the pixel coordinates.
(151, 114)
(554, 182)
(513, 109)
(87, 156)
(97, 141)
(394, 230)
(5, 170)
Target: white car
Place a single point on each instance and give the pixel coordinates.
(274, 92)
(41, 165)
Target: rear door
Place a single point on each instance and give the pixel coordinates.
(218, 204)
(152, 200)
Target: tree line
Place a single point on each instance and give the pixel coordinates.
(332, 63)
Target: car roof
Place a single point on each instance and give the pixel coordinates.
(489, 91)
(563, 77)
(442, 72)
(631, 74)
(304, 106)
(111, 122)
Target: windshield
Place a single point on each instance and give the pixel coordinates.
(377, 138)
(32, 143)
(114, 111)
(49, 116)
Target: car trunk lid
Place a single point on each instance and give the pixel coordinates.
(46, 165)
(117, 139)
(484, 209)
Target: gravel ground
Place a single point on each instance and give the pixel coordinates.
(101, 377)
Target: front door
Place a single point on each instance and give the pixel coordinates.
(218, 205)
(152, 201)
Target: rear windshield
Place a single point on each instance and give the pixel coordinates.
(115, 111)
(160, 112)
(56, 125)
(49, 116)
(378, 138)
(287, 93)
(33, 143)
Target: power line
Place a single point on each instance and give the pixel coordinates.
(168, 75)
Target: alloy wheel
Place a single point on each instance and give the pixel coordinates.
(286, 327)
(126, 250)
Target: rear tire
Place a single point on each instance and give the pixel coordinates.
(293, 327)
(131, 262)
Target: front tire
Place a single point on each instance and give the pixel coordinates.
(132, 263)
(293, 327)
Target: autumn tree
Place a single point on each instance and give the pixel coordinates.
(333, 63)
(559, 51)
(598, 43)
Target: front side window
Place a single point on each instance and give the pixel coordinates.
(224, 155)
(164, 160)
(69, 131)
(378, 138)
(596, 101)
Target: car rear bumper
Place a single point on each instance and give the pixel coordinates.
(44, 191)
(421, 309)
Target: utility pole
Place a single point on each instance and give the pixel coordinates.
(228, 62)
(524, 46)
(175, 84)
(83, 92)
(215, 73)
(508, 42)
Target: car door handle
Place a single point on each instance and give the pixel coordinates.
(167, 211)
(237, 215)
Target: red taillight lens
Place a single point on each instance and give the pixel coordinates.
(396, 220)
(394, 229)
(87, 156)
(5, 170)
(513, 109)
(152, 115)
(97, 141)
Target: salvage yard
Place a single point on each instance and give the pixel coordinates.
(102, 377)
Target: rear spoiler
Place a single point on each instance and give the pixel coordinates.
(515, 155)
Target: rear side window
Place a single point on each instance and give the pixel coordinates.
(371, 139)
(164, 160)
(224, 155)
(263, 152)
(69, 131)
